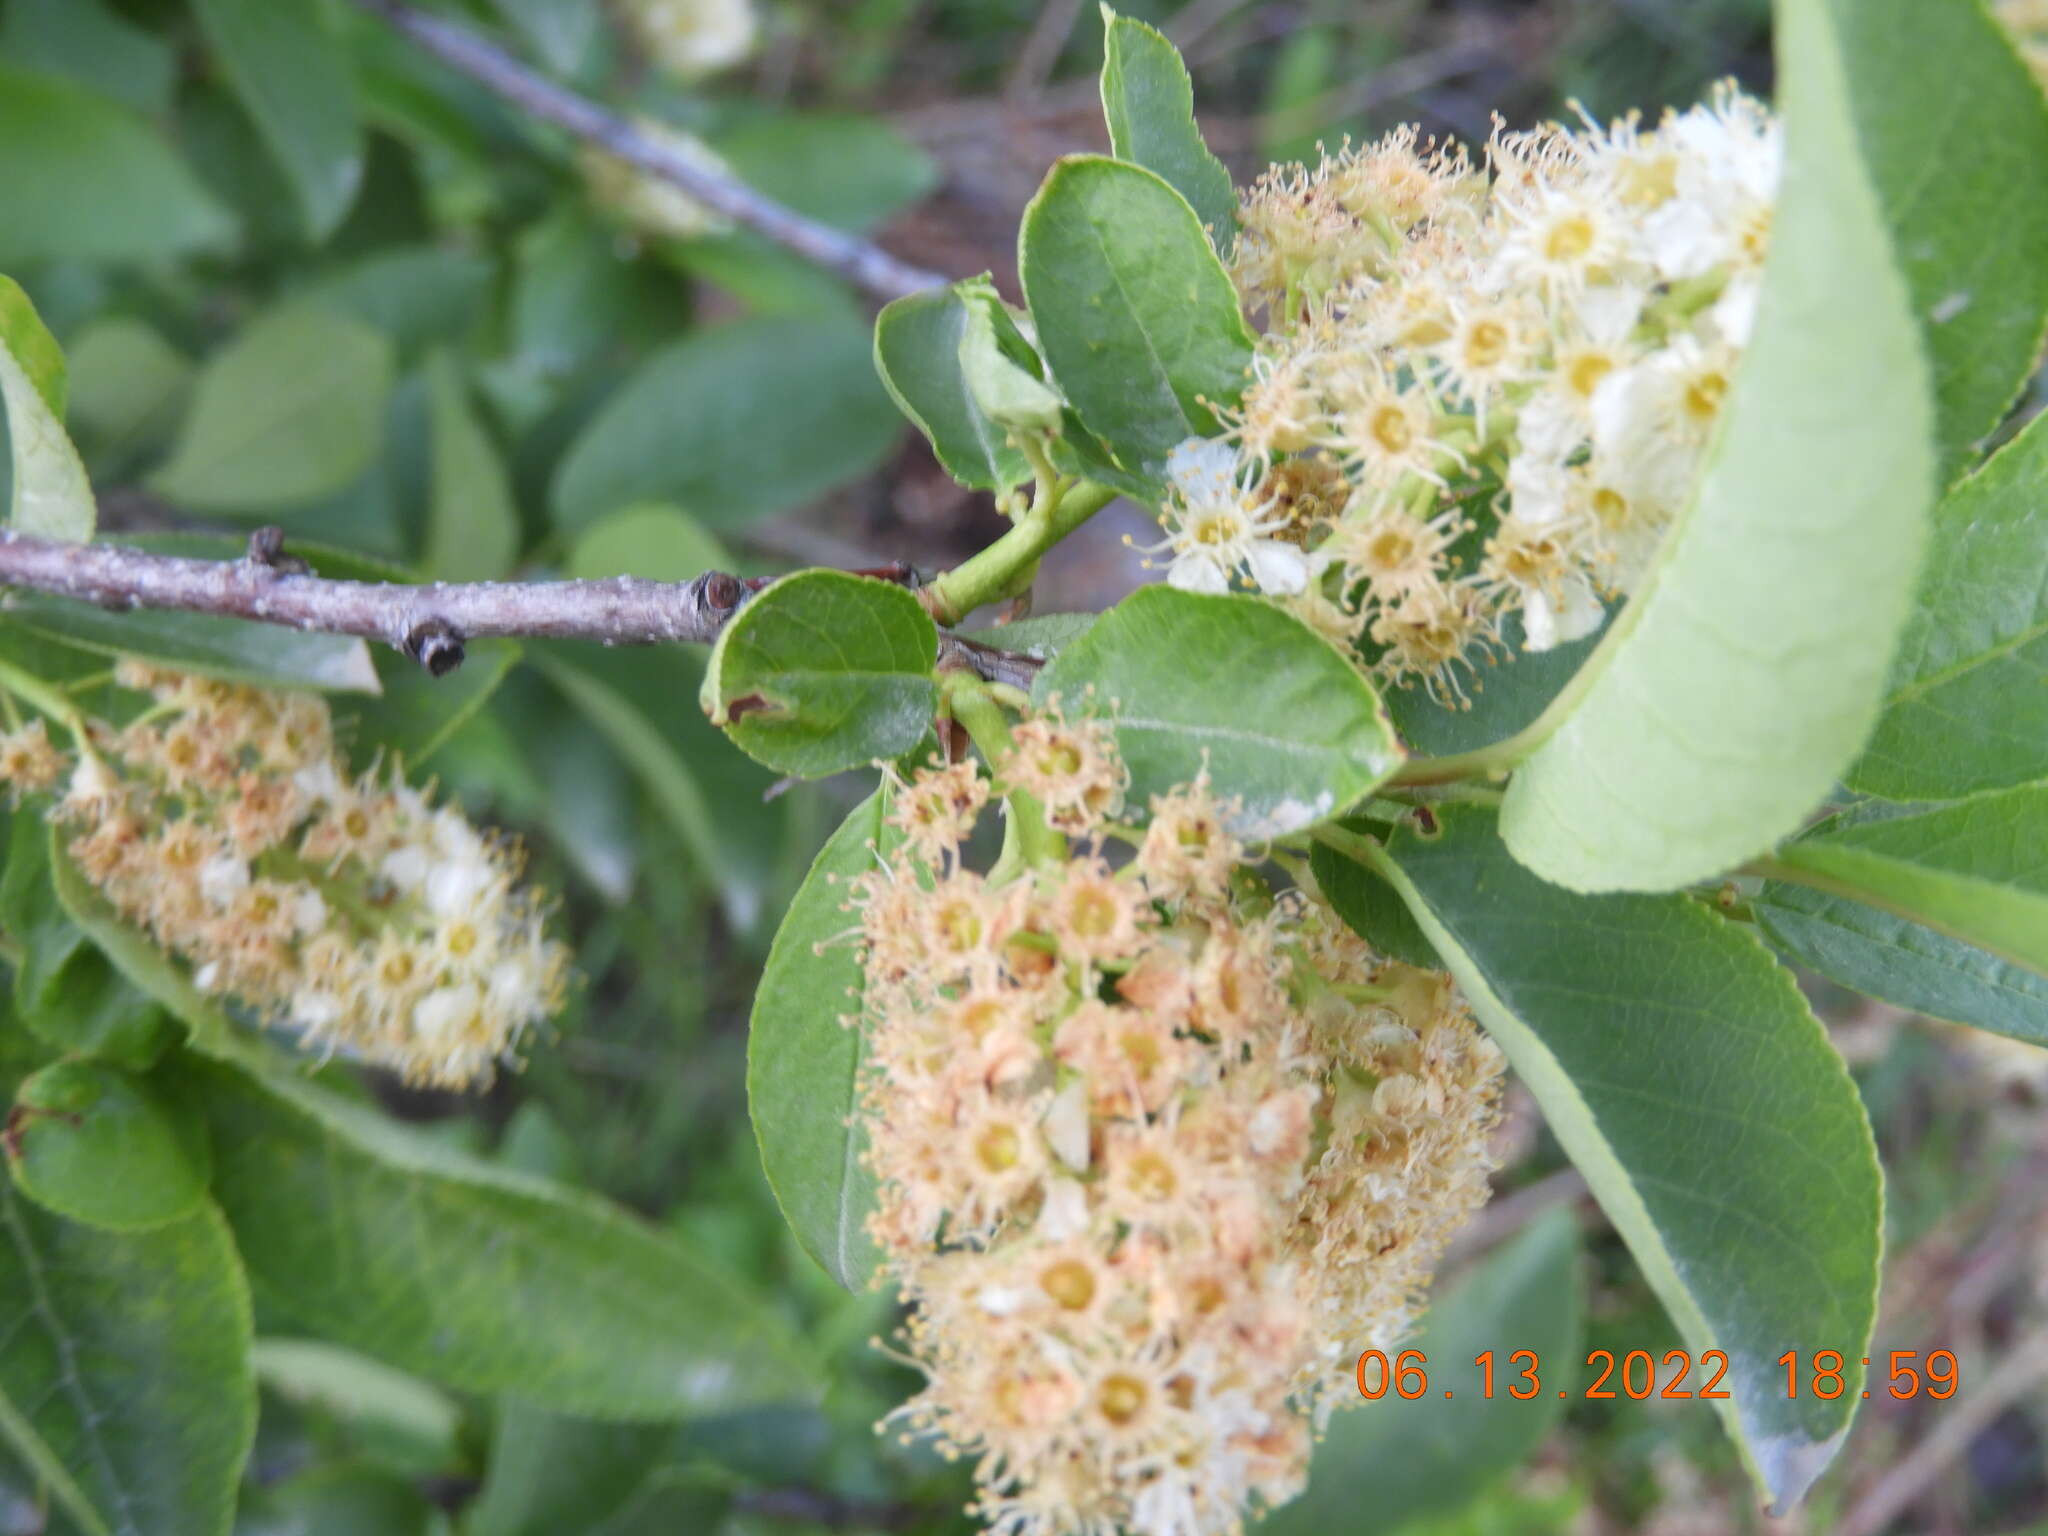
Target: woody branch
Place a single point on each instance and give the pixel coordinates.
(428, 623)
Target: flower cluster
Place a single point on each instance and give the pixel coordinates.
(1157, 1153)
(647, 203)
(221, 820)
(689, 38)
(1482, 394)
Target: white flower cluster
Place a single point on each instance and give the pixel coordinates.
(1499, 384)
(353, 911)
(1157, 1154)
(692, 37)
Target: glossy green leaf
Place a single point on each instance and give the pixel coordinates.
(1281, 721)
(346, 1498)
(850, 172)
(1149, 102)
(824, 671)
(472, 521)
(84, 180)
(1410, 1460)
(1976, 870)
(1734, 689)
(464, 1273)
(237, 650)
(803, 1064)
(292, 75)
(124, 1369)
(1136, 316)
(1900, 961)
(1695, 1090)
(101, 1146)
(1962, 178)
(917, 353)
(659, 543)
(1967, 707)
(289, 411)
(734, 424)
(51, 496)
(1004, 378)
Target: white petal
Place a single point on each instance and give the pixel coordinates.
(1066, 1125)
(1198, 573)
(1198, 464)
(1278, 567)
(1539, 621)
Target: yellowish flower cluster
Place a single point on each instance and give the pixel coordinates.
(1516, 371)
(221, 820)
(1158, 1155)
(692, 37)
(647, 203)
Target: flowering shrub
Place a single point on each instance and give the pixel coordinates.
(1601, 573)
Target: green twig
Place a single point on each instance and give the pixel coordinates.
(1007, 565)
(1027, 840)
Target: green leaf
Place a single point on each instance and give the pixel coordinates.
(1281, 720)
(824, 671)
(472, 522)
(1976, 870)
(1966, 709)
(1962, 177)
(124, 1369)
(292, 74)
(67, 992)
(1370, 907)
(237, 650)
(1011, 393)
(289, 411)
(1893, 958)
(461, 1272)
(850, 172)
(128, 386)
(733, 425)
(98, 1145)
(1043, 635)
(398, 1417)
(658, 543)
(84, 180)
(414, 715)
(416, 295)
(93, 45)
(1504, 699)
(560, 31)
(1734, 689)
(803, 1065)
(662, 771)
(1149, 102)
(1695, 1090)
(1136, 316)
(52, 497)
(1410, 1460)
(917, 353)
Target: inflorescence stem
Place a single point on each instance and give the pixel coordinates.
(1000, 570)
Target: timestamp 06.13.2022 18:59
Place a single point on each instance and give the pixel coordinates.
(1640, 1373)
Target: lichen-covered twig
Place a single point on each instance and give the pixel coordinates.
(430, 623)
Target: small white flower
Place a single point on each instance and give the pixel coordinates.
(222, 878)
(1212, 533)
